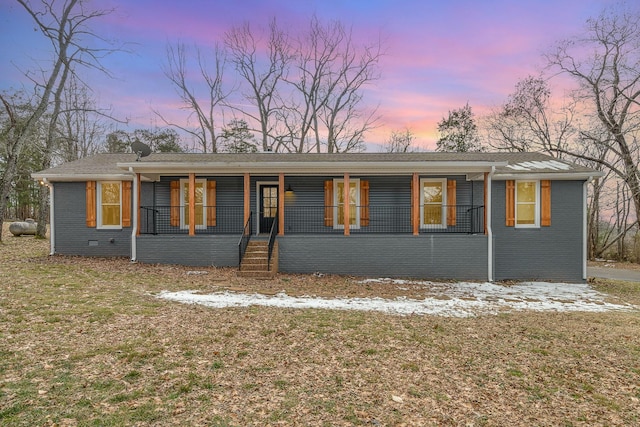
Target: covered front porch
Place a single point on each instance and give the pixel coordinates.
(220, 205)
(361, 215)
(416, 225)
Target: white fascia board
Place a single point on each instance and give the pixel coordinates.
(310, 168)
(83, 177)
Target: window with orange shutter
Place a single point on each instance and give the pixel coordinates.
(528, 203)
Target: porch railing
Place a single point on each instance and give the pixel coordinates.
(392, 219)
(244, 239)
(272, 240)
(170, 220)
(313, 219)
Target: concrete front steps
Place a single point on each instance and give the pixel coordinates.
(254, 261)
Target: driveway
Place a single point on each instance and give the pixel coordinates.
(614, 273)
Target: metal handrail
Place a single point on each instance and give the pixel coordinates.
(272, 239)
(154, 215)
(474, 226)
(244, 239)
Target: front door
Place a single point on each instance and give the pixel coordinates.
(268, 207)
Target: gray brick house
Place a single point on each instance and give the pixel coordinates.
(464, 216)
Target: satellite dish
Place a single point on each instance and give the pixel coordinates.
(141, 149)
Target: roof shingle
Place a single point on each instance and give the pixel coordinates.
(507, 163)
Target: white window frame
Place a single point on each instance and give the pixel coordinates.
(536, 205)
(183, 223)
(443, 215)
(335, 204)
(99, 224)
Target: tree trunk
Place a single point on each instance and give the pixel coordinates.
(42, 214)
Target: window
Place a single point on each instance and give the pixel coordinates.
(334, 203)
(340, 198)
(433, 200)
(527, 204)
(109, 200)
(200, 203)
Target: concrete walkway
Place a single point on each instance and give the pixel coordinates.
(614, 273)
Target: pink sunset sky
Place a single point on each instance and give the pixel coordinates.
(440, 55)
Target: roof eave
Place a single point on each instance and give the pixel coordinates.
(82, 177)
(309, 168)
(554, 176)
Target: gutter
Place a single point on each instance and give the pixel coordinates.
(585, 193)
(70, 177)
(134, 223)
(52, 234)
(489, 229)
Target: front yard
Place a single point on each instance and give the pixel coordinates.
(87, 342)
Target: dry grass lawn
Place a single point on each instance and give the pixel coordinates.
(84, 342)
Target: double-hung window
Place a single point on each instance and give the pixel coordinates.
(199, 203)
(343, 196)
(109, 201)
(433, 201)
(527, 204)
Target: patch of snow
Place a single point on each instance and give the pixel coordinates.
(462, 299)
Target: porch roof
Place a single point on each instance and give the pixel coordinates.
(507, 165)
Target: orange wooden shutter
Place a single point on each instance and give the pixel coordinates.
(126, 203)
(411, 191)
(328, 203)
(364, 203)
(545, 203)
(211, 203)
(451, 202)
(175, 204)
(415, 204)
(91, 203)
(510, 203)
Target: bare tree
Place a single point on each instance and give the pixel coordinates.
(316, 51)
(80, 126)
(205, 110)
(330, 73)
(605, 61)
(306, 92)
(66, 26)
(262, 75)
(350, 72)
(528, 122)
(17, 108)
(399, 141)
